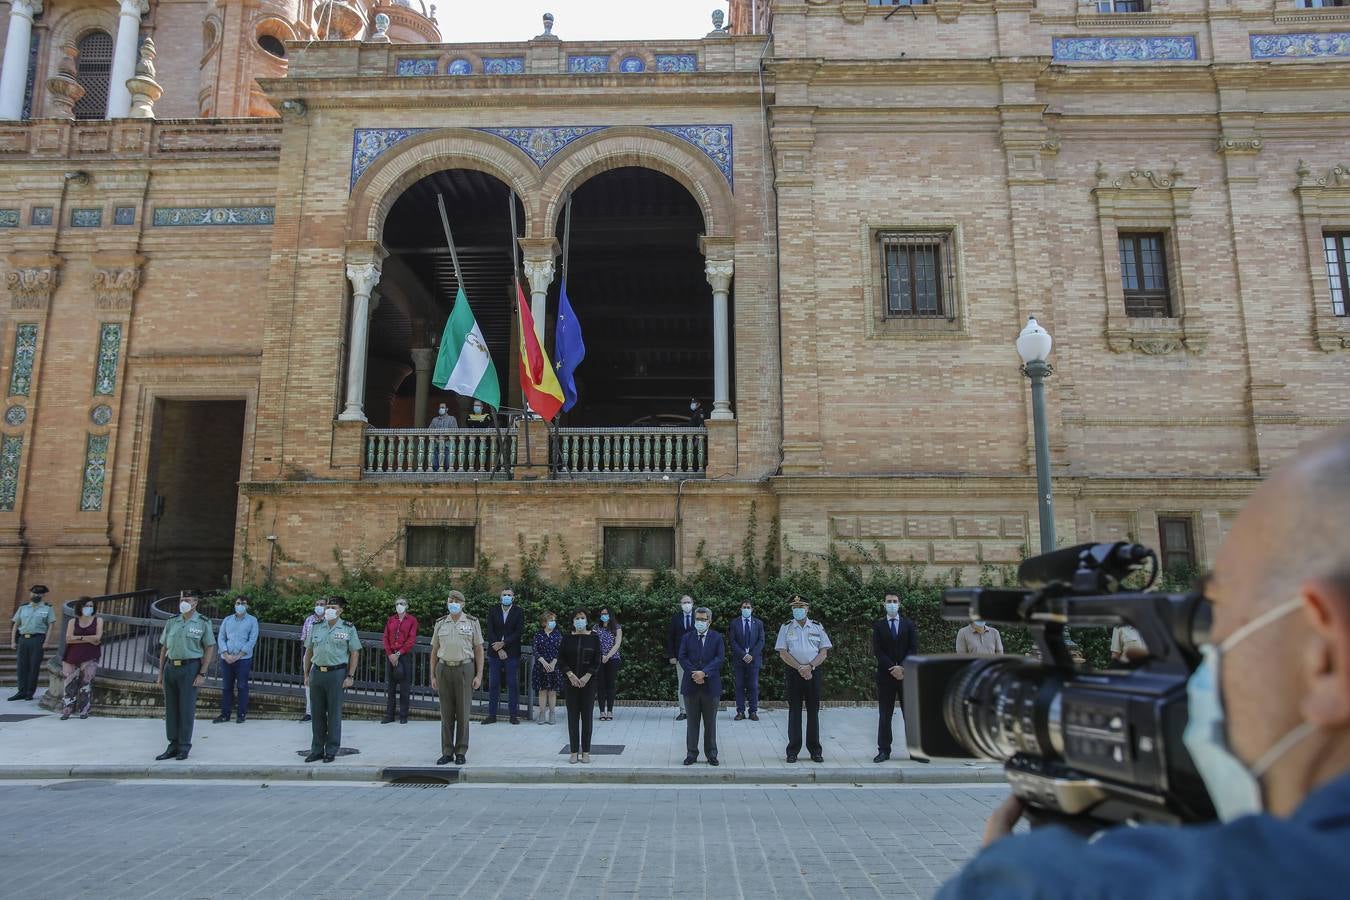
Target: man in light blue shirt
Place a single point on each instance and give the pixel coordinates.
(238, 635)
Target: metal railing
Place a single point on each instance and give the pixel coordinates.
(671, 450)
(133, 622)
(425, 453)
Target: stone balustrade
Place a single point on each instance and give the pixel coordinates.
(631, 452)
(425, 453)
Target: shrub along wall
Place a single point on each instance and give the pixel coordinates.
(846, 598)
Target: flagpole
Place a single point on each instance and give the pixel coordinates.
(449, 239)
(567, 237)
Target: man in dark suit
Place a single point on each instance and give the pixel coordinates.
(893, 639)
(700, 657)
(747, 648)
(505, 625)
(681, 623)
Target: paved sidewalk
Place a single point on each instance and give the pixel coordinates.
(652, 750)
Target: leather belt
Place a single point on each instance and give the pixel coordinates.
(330, 668)
(183, 662)
(31, 634)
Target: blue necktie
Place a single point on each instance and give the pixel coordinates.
(895, 629)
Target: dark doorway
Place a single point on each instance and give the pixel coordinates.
(192, 495)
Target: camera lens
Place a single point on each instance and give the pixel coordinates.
(993, 707)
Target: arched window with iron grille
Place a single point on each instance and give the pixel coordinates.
(93, 69)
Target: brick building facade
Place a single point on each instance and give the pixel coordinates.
(829, 221)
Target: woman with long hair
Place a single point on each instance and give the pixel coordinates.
(84, 634)
(579, 659)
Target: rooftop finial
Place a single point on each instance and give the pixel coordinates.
(719, 19)
(548, 25)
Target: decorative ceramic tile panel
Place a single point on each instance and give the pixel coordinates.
(1123, 49)
(214, 215)
(95, 468)
(630, 64)
(587, 65)
(11, 453)
(369, 143)
(676, 62)
(1300, 46)
(541, 144)
(41, 215)
(109, 347)
(425, 66)
(9, 218)
(101, 414)
(459, 67)
(16, 416)
(713, 140)
(91, 217)
(124, 215)
(504, 65)
(25, 350)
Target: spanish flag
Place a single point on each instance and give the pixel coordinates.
(537, 379)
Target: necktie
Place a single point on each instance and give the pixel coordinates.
(895, 629)
(686, 621)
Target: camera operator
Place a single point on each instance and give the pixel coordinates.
(1269, 725)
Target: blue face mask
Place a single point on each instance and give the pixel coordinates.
(550, 625)
(799, 614)
(604, 617)
(745, 613)
(1234, 788)
(507, 599)
(453, 607)
(701, 627)
(579, 624)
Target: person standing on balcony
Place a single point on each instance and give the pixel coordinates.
(696, 416)
(400, 637)
(442, 421)
(310, 621)
(506, 624)
(610, 633)
(331, 654)
(579, 660)
(238, 636)
(680, 624)
(32, 622)
(456, 641)
(547, 678)
(480, 417)
(185, 648)
(84, 633)
(747, 655)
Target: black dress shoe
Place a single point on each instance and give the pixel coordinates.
(881, 757)
(489, 720)
(690, 760)
(754, 717)
(168, 754)
(218, 719)
(792, 757)
(916, 759)
(515, 720)
(386, 720)
(329, 758)
(681, 717)
(182, 754)
(15, 697)
(403, 720)
(738, 717)
(314, 757)
(459, 759)
(444, 760)
(306, 717)
(712, 761)
(239, 721)
(816, 757)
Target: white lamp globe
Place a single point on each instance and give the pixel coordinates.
(1034, 343)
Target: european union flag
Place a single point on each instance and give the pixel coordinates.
(568, 348)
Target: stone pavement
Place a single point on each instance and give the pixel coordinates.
(652, 745)
(154, 839)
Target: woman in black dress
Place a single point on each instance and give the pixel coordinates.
(579, 660)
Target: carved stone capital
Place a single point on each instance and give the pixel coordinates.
(134, 8)
(32, 279)
(719, 273)
(27, 9)
(424, 358)
(539, 273)
(364, 277)
(1237, 144)
(115, 282)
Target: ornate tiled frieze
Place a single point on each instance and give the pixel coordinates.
(11, 453)
(632, 64)
(9, 218)
(503, 65)
(32, 281)
(124, 215)
(214, 215)
(459, 67)
(109, 349)
(101, 414)
(412, 67)
(24, 352)
(676, 62)
(541, 144)
(369, 143)
(1123, 49)
(86, 217)
(41, 215)
(587, 65)
(95, 469)
(713, 140)
(1300, 46)
(16, 415)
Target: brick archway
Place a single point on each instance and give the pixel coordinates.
(404, 165)
(646, 148)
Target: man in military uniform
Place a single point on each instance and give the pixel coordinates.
(331, 652)
(185, 648)
(32, 624)
(803, 646)
(456, 641)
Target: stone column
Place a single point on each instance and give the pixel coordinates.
(63, 91)
(424, 358)
(719, 272)
(540, 254)
(14, 75)
(364, 277)
(125, 53)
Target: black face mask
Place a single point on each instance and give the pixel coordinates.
(36, 598)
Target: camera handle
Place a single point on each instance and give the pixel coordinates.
(1080, 825)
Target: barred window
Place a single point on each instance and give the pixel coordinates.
(1143, 274)
(1336, 246)
(640, 548)
(917, 274)
(93, 71)
(440, 546)
(1178, 547)
(1122, 6)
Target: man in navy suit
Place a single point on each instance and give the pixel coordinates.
(700, 657)
(505, 625)
(681, 623)
(747, 648)
(893, 639)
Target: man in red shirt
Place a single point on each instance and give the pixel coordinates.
(400, 635)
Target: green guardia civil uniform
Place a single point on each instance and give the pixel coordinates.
(185, 642)
(331, 648)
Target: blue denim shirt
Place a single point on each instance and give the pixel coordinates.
(238, 636)
(1257, 857)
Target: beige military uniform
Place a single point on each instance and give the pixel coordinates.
(452, 647)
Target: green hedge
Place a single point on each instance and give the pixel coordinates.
(844, 597)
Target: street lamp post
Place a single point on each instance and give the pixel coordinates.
(1033, 345)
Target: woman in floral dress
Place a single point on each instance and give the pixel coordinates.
(547, 678)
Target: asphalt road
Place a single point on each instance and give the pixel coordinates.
(144, 839)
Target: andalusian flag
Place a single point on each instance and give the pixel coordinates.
(537, 379)
(464, 364)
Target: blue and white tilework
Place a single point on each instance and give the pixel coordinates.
(587, 65)
(369, 143)
(25, 351)
(713, 140)
(541, 144)
(459, 67)
(11, 453)
(676, 62)
(124, 215)
(95, 470)
(214, 215)
(1123, 49)
(86, 217)
(109, 346)
(1300, 46)
(504, 65)
(631, 64)
(41, 215)
(423, 66)
(9, 218)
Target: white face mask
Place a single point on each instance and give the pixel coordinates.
(687, 607)
(693, 406)
(401, 607)
(478, 407)
(184, 606)
(318, 609)
(88, 610)
(441, 411)
(330, 614)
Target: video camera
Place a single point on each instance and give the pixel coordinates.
(1082, 747)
